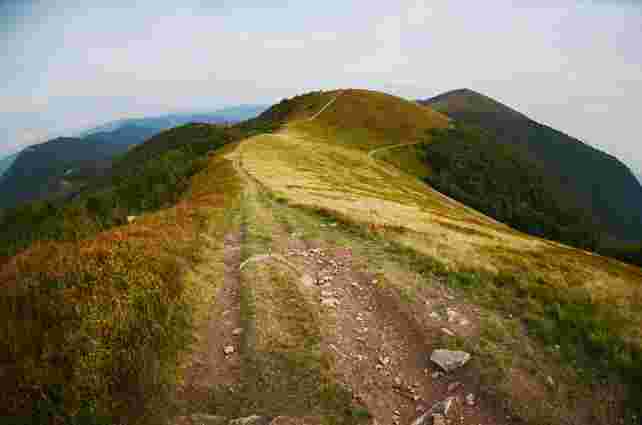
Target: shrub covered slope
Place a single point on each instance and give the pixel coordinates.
(97, 314)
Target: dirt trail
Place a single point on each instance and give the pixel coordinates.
(325, 106)
(373, 152)
(208, 364)
(379, 346)
(380, 352)
(394, 171)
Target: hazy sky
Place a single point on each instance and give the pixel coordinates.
(575, 65)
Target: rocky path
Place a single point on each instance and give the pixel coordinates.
(215, 359)
(381, 348)
(381, 354)
(320, 302)
(326, 106)
(373, 152)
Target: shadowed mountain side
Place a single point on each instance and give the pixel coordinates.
(63, 165)
(597, 182)
(60, 165)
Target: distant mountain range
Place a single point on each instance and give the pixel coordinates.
(593, 181)
(226, 115)
(63, 165)
(5, 163)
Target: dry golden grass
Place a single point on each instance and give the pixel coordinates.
(345, 180)
(365, 119)
(111, 317)
(405, 157)
(324, 165)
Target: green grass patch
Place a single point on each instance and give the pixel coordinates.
(588, 334)
(579, 333)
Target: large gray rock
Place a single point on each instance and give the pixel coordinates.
(449, 360)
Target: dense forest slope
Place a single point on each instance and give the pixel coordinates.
(279, 268)
(60, 166)
(64, 165)
(500, 180)
(597, 182)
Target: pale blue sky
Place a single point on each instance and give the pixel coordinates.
(575, 65)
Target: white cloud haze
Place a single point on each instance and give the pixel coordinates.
(574, 65)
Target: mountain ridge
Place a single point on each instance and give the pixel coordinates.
(280, 268)
(163, 122)
(79, 162)
(601, 183)
(61, 165)
(468, 98)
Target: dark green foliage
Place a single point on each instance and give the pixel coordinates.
(630, 253)
(361, 414)
(500, 180)
(463, 280)
(592, 180)
(63, 165)
(153, 175)
(194, 139)
(49, 409)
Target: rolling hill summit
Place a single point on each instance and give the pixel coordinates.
(345, 257)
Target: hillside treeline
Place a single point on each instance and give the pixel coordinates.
(500, 181)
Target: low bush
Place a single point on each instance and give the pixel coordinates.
(93, 317)
(103, 319)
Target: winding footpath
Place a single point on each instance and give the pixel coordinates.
(325, 106)
(373, 152)
(377, 345)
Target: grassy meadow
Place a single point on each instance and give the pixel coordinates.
(99, 315)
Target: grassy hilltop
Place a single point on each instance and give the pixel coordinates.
(280, 267)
